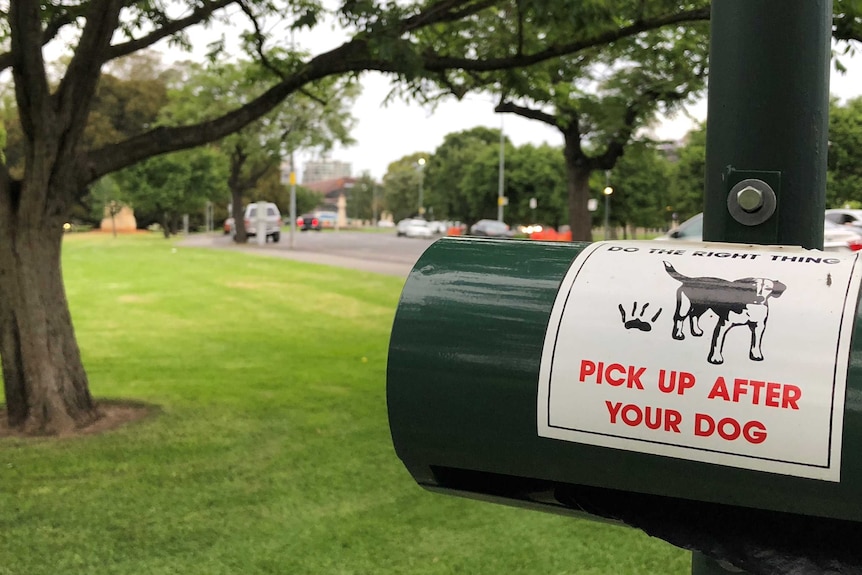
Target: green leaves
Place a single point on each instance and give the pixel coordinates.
(844, 165)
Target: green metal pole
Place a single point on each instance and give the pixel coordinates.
(768, 117)
(767, 130)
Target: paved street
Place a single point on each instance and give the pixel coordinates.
(375, 252)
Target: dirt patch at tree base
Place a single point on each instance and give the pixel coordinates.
(113, 414)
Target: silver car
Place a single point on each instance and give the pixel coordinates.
(835, 238)
(414, 228)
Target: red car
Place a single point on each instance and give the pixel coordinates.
(308, 222)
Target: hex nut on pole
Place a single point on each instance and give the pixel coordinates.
(750, 199)
(751, 202)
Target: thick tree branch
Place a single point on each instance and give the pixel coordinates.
(28, 68)
(53, 27)
(82, 75)
(352, 56)
(445, 11)
(436, 63)
(529, 113)
(200, 14)
(51, 30)
(616, 146)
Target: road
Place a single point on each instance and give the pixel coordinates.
(382, 253)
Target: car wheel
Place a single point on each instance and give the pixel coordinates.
(276, 236)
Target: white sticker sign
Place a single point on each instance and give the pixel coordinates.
(721, 353)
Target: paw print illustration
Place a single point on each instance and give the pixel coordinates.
(636, 320)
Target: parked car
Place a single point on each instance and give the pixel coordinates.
(845, 216)
(438, 227)
(228, 226)
(491, 228)
(841, 238)
(273, 221)
(835, 237)
(327, 219)
(690, 230)
(414, 228)
(309, 222)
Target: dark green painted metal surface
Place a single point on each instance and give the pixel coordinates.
(462, 394)
(767, 111)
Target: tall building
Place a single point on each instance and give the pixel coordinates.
(320, 170)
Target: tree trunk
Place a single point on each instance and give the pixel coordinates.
(240, 236)
(578, 186)
(236, 187)
(578, 170)
(44, 379)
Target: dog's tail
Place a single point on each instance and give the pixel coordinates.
(673, 273)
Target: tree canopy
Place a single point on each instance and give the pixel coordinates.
(844, 185)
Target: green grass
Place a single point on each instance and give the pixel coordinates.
(270, 452)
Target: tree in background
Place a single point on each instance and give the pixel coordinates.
(168, 186)
(362, 202)
(401, 186)
(844, 162)
(641, 182)
(480, 185)
(104, 198)
(536, 172)
(599, 100)
(315, 118)
(688, 179)
(446, 170)
(461, 180)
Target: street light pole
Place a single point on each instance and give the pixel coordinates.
(374, 204)
(501, 173)
(292, 202)
(607, 192)
(421, 164)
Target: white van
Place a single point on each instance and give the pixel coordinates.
(273, 221)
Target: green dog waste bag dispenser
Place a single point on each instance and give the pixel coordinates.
(699, 391)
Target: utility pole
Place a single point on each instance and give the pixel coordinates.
(421, 164)
(500, 175)
(292, 201)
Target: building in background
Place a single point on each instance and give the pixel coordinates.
(334, 195)
(322, 170)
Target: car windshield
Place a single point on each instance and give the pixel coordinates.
(691, 228)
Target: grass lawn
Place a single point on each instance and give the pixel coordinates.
(270, 452)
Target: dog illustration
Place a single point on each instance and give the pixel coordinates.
(739, 302)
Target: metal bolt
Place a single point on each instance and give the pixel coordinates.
(750, 199)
